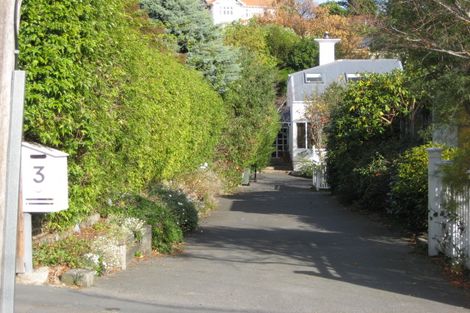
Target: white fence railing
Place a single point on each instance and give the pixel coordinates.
(449, 214)
(319, 169)
(319, 176)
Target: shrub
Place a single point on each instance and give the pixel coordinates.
(364, 136)
(201, 187)
(69, 252)
(166, 233)
(183, 209)
(409, 188)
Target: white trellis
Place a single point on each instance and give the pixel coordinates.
(448, 214)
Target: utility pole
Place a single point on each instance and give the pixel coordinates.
(9, 175)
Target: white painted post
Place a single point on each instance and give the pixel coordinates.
(28, 243)
(434, 201)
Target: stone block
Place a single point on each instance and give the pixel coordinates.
(146, 242)
(78, 277)
(39, 276)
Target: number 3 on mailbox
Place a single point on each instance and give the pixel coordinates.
(44, 178)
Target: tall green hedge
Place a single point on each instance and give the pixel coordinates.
(99, 88)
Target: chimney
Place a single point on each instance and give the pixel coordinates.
(327, 49)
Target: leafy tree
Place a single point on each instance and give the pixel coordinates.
(191, 24)
(254, 121)
(303, 55)
(360, 7)
(365, 135)
(314, 21)
(188, 20)
(334, 8)
(252, 37)
(435, 36)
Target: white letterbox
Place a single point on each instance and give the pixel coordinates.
(44, 179)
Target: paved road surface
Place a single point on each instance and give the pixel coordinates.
(274, 247)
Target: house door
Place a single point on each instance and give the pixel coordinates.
(281, 144)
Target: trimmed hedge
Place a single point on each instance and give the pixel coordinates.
(100, 89)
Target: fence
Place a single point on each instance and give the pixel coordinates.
(319, 176)
(449, 214)
(319, 169)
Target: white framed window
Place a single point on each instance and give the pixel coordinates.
(313, 78)
(353, 77)
(304, 135)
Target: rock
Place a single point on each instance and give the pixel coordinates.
(39, 276)
(78, 277)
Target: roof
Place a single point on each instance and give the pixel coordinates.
(43, 149)
(250, 3)
(335, 72)
(258, 3)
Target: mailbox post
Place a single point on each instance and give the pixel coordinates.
(44, 188)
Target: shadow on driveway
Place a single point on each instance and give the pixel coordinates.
(281, 221)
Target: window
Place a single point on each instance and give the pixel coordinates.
(311, 78)
(301, 132)
(353, 77)
(304, 135)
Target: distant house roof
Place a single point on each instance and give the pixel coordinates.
(258, 3)
(305, 85)
(250, 3)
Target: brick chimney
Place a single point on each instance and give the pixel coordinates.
(327, 49)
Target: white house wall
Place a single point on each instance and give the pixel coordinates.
(228, 11)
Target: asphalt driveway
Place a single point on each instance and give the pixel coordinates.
(276, 246)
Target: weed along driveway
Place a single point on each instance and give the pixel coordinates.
(276, 246)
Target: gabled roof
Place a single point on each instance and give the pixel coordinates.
(250, 3)
(258, 3)
(335, 72)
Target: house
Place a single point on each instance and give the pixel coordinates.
(228, 11)
(303, 85)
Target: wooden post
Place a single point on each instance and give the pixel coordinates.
(20, 237)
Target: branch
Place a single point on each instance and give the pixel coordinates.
(421, 43)
(460, 14)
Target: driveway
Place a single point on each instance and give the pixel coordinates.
(276, 246)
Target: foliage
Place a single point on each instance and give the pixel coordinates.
(216, 62)
(309, 21)
(359, 7)
(457, 173)
(166, 233)
(191, 24)
(434, 35)
(409, 187)
(183, 209)
(202, 187)
(252, 37)
(318, 111)
(187, 20)
(100, 89)
(68, 252)
(254, 121)
(334, 8)
(364, 137)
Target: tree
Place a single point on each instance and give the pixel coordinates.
(334, 8)
(254, 121)
(314, 21)
(435, 36)
(188, 20)
(198, 39)
(427, 25)
(360, 7)
(365, 135)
